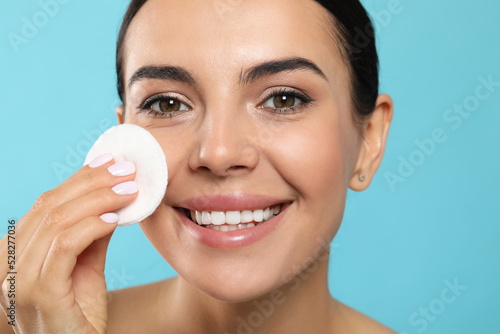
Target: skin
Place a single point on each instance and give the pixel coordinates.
(230, 139)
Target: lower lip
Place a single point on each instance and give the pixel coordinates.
(230, 239)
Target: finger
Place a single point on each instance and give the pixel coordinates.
(85, 180)
(68, 214)
(94, 256)
(66, 249)
(82, 182)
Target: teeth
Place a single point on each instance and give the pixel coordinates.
(266, 214)
(232, 217)
(205, 218)
(246, 216)
(233, 220)
(218, 217)
(258, 215)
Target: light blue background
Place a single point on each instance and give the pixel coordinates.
(397, 246)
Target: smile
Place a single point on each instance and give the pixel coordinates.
(226, 221)
(231, 221)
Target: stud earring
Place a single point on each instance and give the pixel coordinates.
(361, 177)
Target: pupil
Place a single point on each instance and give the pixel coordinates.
(169, 105)
(284, 101)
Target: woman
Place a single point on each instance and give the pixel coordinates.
(263, 108)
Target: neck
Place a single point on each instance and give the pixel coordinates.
(302, 305)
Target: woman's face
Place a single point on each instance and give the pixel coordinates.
(255, 110)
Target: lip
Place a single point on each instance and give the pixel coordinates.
(230, 239)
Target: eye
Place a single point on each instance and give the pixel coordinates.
(281, 101)
(163, 105)
(285, 100)
(167, 105)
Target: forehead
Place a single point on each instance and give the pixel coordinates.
(229, 35)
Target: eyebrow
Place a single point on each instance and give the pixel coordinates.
(277, 66)
(162, 72)
(250, 75)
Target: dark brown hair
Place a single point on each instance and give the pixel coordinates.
(356, 35)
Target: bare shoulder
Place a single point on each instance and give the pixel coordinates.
(130, 309)
(356, 322)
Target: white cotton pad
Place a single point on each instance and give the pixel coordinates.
(128, 142)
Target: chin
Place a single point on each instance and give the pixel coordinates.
(237, 292)
(230, 280)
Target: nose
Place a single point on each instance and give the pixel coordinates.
(224, 145)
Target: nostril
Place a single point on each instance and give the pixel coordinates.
(224, 171)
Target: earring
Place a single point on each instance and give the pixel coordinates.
(361, 177)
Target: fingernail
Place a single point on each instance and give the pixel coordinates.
(126, 188)
(122, 168)
(110, 217)
(101, 160)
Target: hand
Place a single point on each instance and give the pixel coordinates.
(61, 248)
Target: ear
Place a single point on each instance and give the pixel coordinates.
(373, 143)
(119, 114)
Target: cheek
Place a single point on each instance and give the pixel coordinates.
(311, 158)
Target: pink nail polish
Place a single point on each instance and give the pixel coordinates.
(126, 188)
(110, 217)
(122, 168)
(101, 160)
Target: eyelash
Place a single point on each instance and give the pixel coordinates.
(304, 100)
(146, 105)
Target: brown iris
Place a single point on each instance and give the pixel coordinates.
(284, 101)
(169, 105)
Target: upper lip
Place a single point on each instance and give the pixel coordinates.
(230, 202)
